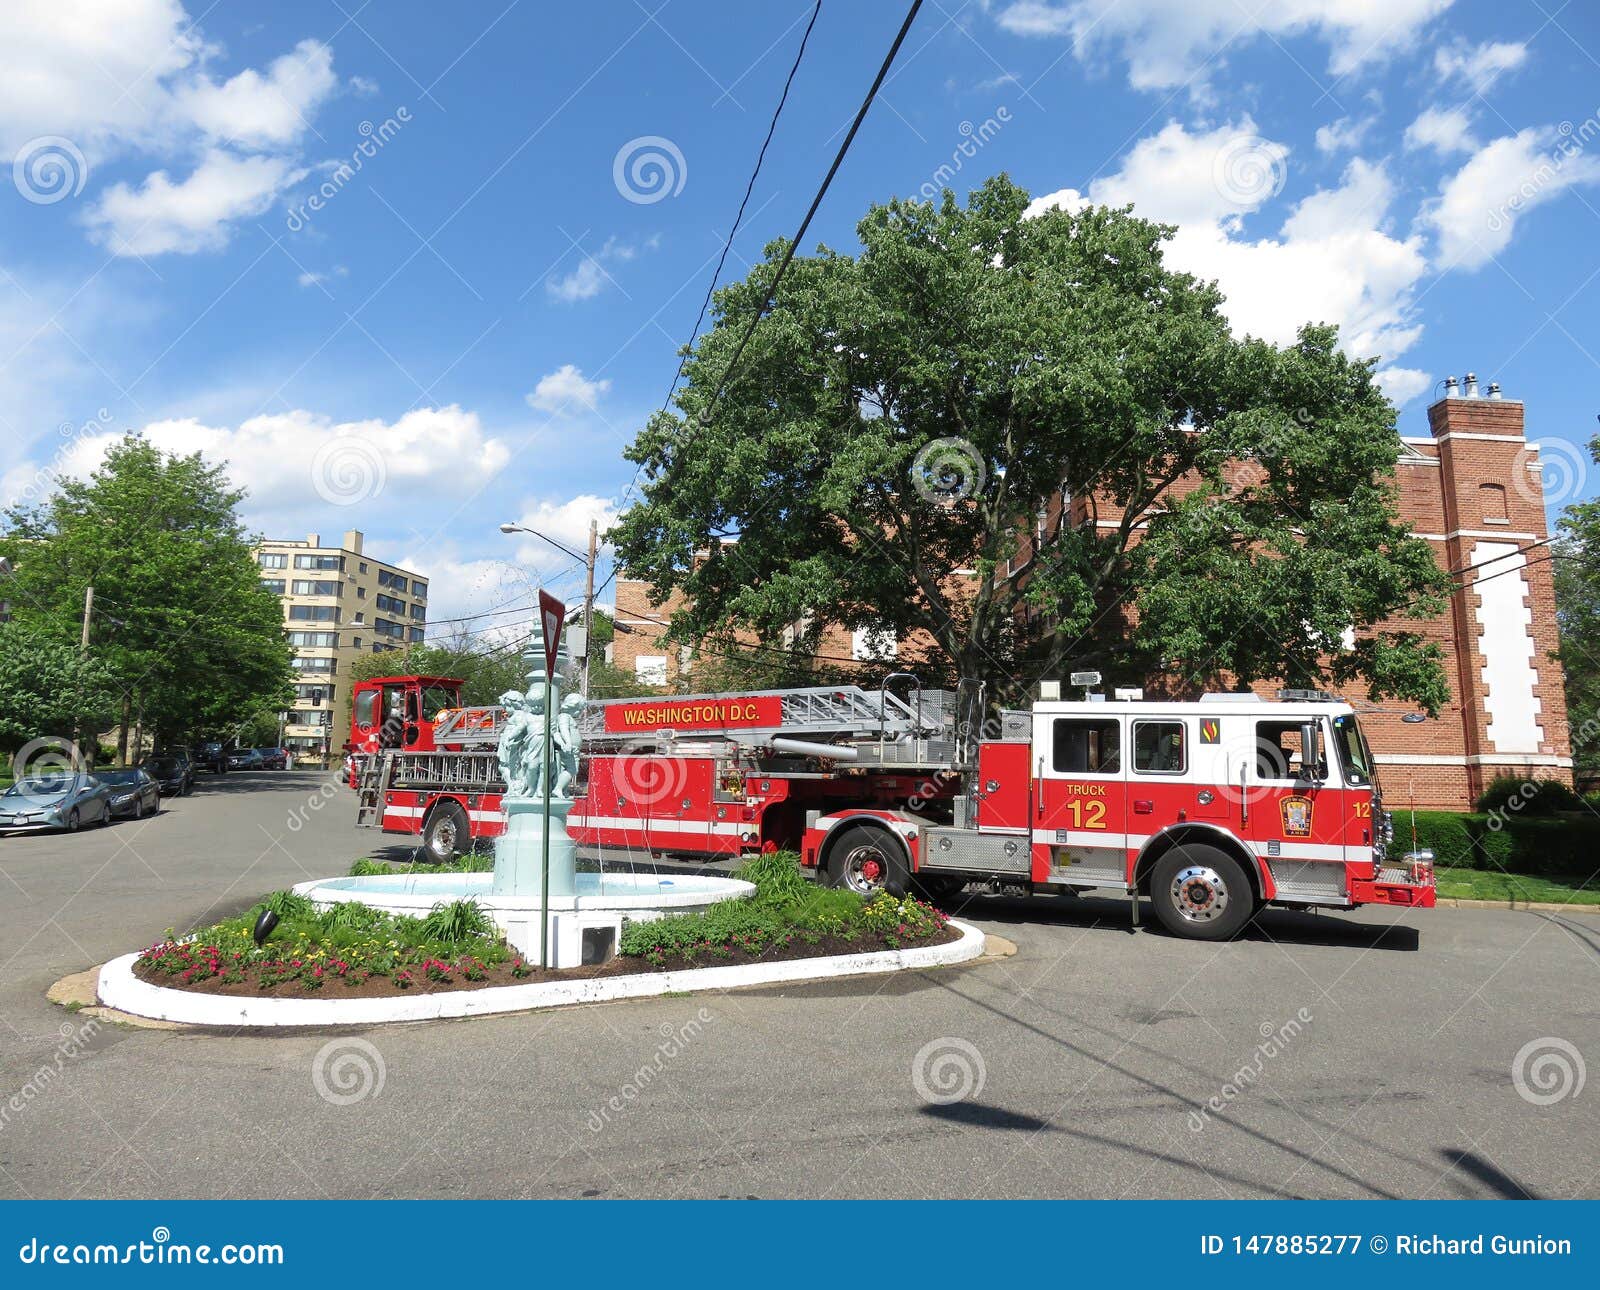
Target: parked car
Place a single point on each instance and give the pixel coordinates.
(173, 773)
(273, 758)
(212, 757)
(245, 759)
(63, 801)
(133, 791)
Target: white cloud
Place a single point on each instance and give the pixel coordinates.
(1479, 66)
(268, 110)
(566, 390)
(299, 467)
(1402, 384)
(1168, 43)
(120, 78)
(1333, 247)
(195, 214)
(568, 523)
(311, 278)
(1478, 207)
(91, 70)
(1443, 130)
(591, 275)
(1345, 134)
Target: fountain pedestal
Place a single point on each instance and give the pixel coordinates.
(519, 851)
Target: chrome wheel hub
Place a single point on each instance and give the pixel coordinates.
(1199, 894)
(864, 870)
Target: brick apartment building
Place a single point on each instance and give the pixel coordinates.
(1470, 488)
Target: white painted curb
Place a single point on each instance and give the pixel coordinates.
(119, 988)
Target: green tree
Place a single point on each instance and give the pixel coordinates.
(920, 408)
(486, 670)
(181, 622)
(47, 688)
(1577, 578)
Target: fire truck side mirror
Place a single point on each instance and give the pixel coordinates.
(1310, 761)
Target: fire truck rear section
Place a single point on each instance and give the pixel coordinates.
(1209, 809)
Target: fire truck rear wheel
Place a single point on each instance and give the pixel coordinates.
(446, 835)
(1201, 893)
(868, 861)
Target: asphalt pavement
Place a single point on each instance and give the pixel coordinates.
(1429, 1053)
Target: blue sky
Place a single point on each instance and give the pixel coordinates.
(468, 321)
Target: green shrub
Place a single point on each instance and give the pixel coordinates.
(289, 906)
(1527, 798)
(460, 920)
(369, 869)
(777, 876)
(1441, 832)
(1565, 847)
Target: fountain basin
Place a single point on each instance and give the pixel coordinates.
(637, 896)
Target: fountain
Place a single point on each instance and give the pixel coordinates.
(584, 911)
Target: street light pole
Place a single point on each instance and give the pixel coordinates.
(588, 604)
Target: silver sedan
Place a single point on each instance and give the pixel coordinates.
(55, 802)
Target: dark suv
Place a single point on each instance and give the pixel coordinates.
(212, 757)
(273, 758)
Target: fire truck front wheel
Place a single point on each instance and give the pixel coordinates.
(1201, 893)
(867, 861)
(447, 834)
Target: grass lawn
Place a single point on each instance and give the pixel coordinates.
(1479, 884)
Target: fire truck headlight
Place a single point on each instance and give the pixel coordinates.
(1386, 827)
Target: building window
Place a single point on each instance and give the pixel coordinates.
(416, 635)
(1492, 498)
(363, 566)
(419, 588)
(314, 640)
(308, 587)
(1159, 747)
(307, 692)
(390, 604)
(314, 613)
(312, 664)
(272, 560)
(1087, 745)
(319, 562)
(650, 669)
(361, 593)
(274, 585)
(386, 628)
(356, 643)
(419, 612)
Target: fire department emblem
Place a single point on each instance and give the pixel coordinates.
(1296, 816)
(1210, 730)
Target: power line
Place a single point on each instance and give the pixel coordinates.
(738, 219)
(800, 233)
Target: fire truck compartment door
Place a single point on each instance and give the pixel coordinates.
(1002, 791)
(1080, 795)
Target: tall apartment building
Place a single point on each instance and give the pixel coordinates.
(338, 605)
(1471, 489)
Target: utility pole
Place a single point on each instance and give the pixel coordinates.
(88, 609)
(588, 603)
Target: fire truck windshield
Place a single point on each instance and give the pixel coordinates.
(1354, 755)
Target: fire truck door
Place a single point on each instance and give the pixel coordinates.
(1295, 822)
(1080, 800)
(676, 813)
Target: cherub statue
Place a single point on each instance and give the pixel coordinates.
(567, 740)
(521, 748)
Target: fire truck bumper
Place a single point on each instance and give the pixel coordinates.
(1412, 885)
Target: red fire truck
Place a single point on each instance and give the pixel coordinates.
(1209, 809)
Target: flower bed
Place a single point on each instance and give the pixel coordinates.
(351, 950)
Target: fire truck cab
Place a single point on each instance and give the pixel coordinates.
(1209, 809)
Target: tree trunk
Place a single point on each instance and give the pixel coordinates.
(122, 729)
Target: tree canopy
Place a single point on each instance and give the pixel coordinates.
(1577, 581)
(181, 623)
(906, 420)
